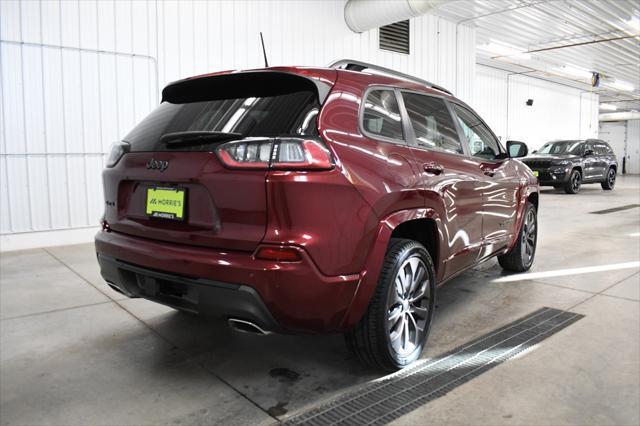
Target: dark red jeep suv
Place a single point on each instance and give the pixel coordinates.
(318, 200)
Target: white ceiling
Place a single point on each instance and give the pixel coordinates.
(542, 36)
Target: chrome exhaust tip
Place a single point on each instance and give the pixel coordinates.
(246, 326)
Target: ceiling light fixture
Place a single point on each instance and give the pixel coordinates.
(634, 22)
(608, 107)
(575, 72)
(503, 49)
(621, 85)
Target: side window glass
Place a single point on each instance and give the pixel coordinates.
(481, 141)
(601, 149)
(432, 124)
(597, 149)
(587, 147)
(382, 115)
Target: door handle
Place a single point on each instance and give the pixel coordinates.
(487, 171)
(433, 168)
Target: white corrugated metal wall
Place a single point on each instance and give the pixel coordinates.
(558, 111)
(77, 75)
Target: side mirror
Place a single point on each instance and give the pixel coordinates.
(588, 152)
(517, 149)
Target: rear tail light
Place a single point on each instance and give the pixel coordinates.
(276, 154)
(279, 254)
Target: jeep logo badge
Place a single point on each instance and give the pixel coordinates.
(157, 165)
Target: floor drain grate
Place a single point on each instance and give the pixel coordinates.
(383, 401)
(616, 209)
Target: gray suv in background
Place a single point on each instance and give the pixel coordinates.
(568, 164)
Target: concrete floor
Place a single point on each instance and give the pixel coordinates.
(74, 352)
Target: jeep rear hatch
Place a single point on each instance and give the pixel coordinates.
(193, 171)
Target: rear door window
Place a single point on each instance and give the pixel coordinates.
(381, 115)
(432, 123)
(602, 149)
(482, 143)
(588, 147)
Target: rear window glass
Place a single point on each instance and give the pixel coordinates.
(381, 115)
(269, 116)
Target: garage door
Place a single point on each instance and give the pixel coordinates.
(615, 133)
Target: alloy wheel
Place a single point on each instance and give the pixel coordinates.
(575, 182)
(408, 306)
(612, 177)
(529, 235)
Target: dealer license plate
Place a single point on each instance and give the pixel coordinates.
(166, 203)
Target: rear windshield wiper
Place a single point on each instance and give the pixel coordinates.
(197, 137)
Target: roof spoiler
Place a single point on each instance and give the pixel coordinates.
(352, 65)
(241, 84)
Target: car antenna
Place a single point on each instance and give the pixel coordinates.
(264, 51)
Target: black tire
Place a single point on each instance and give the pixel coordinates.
(572, 186)
(520, 257)
(610, 180)
(373, 337)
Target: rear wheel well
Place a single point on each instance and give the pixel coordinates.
(423, 231)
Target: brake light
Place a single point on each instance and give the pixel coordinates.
(276, 154)
(279, 254)
(246, 153)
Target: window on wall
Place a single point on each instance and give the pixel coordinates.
(395, 37)
(432, 123)
(382, 115)
(477, 136)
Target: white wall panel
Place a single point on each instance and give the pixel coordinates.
(49, 21)
(87, 24)
(33, 99)
(5, 217)
(558, 112)
(59, 204)
(39, 192)
(77, 75)
(10, 20)
(18, 191)
(13, 100)
(53, 100)
(90, 93)
(490, 98)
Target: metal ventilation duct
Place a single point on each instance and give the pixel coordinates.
(363, 15)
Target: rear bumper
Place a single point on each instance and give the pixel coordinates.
(195, 295)
(277, 296)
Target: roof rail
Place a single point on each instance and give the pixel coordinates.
(350, 64)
